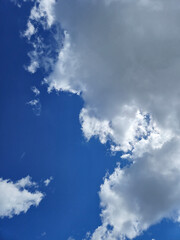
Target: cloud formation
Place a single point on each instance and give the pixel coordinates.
(15, 197)
(35, 90)
(123, 58)
(136, 197)
(47, 181)
(36, 106)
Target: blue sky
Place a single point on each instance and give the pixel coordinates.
(53, 143)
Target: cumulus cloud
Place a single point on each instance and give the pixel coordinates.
(122, 58)
(136, 197)
(66, 61)
(15, 197)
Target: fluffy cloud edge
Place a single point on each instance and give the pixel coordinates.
(16, 197)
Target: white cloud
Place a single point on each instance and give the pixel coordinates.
(66, 61)
(43, 53)
(110, 69)
(36, 106)
(35, 90)
(134, 198)
(33, 102)
(25, 182)
(43, 10)
(20, 2)
(15, 198)
(34, 65)
(47, 181)
(30, 30)
(92, 126)
(123, 58)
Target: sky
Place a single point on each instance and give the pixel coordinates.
(90, 133)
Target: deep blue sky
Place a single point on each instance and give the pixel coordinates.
(51, 144)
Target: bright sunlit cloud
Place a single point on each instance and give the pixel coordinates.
(16, 197)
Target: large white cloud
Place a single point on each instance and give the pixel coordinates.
(123, 58)
(16, 198)
(136, 197)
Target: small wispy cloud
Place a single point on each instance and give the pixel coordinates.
(71, 238)
(35, 90)
(22, 155)
(29, 31)
(43, 234)
(36, 106)
(47, 181)
(34, 65)
(18, 3)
